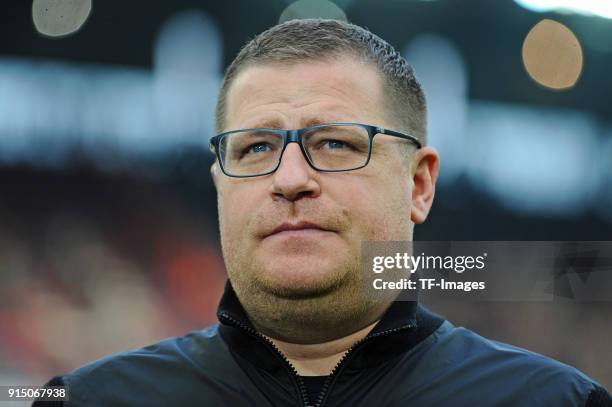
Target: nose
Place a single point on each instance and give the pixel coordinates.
(294, 178)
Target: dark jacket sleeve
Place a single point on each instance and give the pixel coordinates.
(56, 381)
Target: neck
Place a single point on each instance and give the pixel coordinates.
(319, 359)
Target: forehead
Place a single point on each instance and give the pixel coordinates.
(298, 94)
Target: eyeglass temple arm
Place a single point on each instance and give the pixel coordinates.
(415, 140)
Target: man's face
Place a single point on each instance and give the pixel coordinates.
(306, 269)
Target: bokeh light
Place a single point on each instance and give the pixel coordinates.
(599, 8)
(57, 18)
(552, 55)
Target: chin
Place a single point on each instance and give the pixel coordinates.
(309, 281)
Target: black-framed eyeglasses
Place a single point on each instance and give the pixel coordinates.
(332, 147)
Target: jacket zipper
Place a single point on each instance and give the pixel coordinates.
(294, 374)
(298, 382)
(349, 353)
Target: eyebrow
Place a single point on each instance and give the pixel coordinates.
(318, 122)
(276, 124)
(266, 124)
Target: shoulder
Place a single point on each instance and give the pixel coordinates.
(469, 347)
(138, 376)
(175, 351)
(502, 372)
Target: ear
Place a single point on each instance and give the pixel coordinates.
(426, 165)
(214, 173)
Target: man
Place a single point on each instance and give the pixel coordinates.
(322, 146)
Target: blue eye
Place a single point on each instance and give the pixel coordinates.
(257, 148)
(335, 144)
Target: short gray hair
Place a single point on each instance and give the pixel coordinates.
(299, 40)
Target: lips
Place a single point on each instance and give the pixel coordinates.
(305, 227)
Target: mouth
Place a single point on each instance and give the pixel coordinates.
(298, 230)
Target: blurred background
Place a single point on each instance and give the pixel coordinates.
(108, 223)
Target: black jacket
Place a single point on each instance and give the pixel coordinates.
(411, 358)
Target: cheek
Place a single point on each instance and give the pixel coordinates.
(234, 208)
(381, 210)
